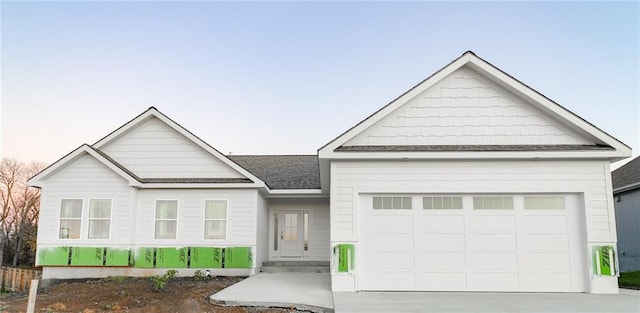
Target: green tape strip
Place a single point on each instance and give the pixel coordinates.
(171, 257)
(117, 257)
(345, 257)
(58, 256)
(87, 256)
(143, 257)
(238, 257)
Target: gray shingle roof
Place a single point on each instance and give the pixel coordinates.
(627, 174)
(282, 171)
(472, 148)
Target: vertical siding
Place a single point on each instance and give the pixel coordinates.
(85, 178)
(241, 216)
(466, 109)
(155, 150)
(628, 225)
(584, 177)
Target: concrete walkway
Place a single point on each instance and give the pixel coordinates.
(304, 291)
(628, 301)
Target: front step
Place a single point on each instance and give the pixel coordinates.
(295, 267)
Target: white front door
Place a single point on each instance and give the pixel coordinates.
(291, 234)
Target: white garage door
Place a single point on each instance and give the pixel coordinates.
(472, 243)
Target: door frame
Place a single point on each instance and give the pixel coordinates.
(274, 233)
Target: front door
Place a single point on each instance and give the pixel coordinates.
(290, 234)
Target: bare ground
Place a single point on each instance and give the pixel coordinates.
(134, 295)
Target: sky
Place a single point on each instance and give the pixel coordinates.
(288, 77)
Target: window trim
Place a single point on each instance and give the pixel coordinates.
(205, 219)
(401, 196)
(546, 195)
(473, 202)
(155, 211)
(110, 219)
(80, 219)
(440, 195)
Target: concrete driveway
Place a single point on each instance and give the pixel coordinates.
(628, 301)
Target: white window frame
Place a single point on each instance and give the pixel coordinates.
(78, 219)
(383, 209)
(473, 202)
(155, 220)
(442, 196)
(544, 196)
(205, 219)
(110, 219)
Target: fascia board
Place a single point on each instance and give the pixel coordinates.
(609, 155)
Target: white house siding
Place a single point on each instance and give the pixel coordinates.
(155, 150)
(319, 249)
(85, 178)
(466, 109)
(241, 217)
(585, 178)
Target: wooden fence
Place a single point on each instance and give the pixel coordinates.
(18, 279)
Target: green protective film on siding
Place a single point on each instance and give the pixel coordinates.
(117, 257)
(238, 257)
(54, 256)
(206, 257)
(345, 257)
(172, 257)
(87, 256)
(143, 257)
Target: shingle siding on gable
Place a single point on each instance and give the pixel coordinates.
(154, 150)
(466, 109)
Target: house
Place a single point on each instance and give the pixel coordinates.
(626, 195)
(469, 181)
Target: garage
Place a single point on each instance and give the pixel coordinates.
(472, 242)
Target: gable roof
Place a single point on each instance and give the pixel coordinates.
(626, 177)
(618, 150)
(38, 179)
(283, 171)
(249, 179)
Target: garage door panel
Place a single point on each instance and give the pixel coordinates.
(544, 224)
(545, 261)
(387, 281)
(559, 282)
(492, 281)
(440, 281)
(492, 224)
(440, 224)
(538, 242)
(440, 242)
(441, 260)
(501, 250)
(382, 260)
(391, 242)
(388, 224)
(493, 260)
(492, 242)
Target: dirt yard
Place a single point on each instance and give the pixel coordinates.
(135, 295)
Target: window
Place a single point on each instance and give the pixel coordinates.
(306, 230)
(215, 219)
(544, 202)
(392, 203)
(166, 219)
(99, 218)
(276, 228)
(70, 218)
(442, 203)
(488, 203)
